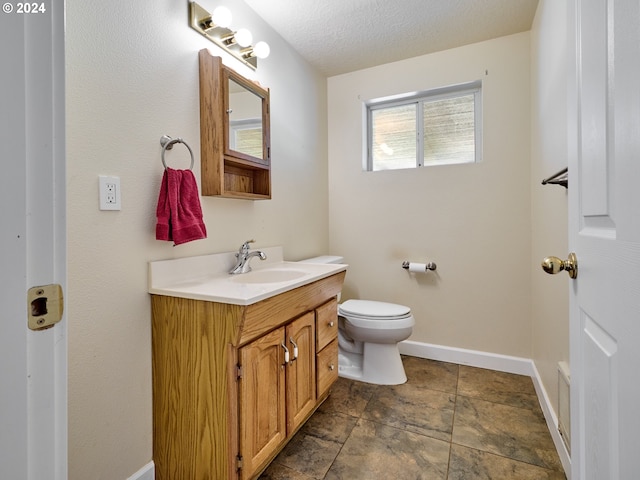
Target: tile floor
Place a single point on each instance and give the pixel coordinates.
(448, 422)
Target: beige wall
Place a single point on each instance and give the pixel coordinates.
(132, 76)
(550, 294)
(474, 220)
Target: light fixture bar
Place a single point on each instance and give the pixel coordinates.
(201, 21)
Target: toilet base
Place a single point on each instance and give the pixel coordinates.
(380, 364)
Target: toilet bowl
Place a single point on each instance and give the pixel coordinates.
(368, 336)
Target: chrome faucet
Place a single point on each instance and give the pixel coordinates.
(243, 256)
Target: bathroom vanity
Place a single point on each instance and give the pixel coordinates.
(233, 380)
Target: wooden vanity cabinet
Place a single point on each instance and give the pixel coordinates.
(275, 396)
(225, 401)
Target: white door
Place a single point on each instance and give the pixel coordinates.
(33, 364)
(604, 222)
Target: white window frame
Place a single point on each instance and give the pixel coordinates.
(419, 98)
(237, 125)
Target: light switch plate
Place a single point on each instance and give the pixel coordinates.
(110, 194)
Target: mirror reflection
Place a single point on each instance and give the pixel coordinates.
(245, 120)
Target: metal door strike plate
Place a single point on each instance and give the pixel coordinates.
(45, 305)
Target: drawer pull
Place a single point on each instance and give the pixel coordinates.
(332, 367)
(295, 348)
(331, 324)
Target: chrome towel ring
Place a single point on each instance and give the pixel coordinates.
(167, 144)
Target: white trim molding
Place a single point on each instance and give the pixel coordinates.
(552, 421)
(500, 363)
(473, 358)
(148, 472)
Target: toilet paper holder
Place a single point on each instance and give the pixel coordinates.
(428, 266)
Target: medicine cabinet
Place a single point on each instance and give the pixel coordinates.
(234, 132)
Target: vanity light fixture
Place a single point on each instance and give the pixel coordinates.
(216, 27)
(260, 50)
(243, 37)
(221, 17)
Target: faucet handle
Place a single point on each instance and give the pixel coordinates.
(244, 249)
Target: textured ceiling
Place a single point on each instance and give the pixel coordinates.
(340, 36)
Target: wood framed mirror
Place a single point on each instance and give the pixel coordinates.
(234, 132)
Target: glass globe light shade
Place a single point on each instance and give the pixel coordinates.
(243, 37)
(261, 50)
(221, 17)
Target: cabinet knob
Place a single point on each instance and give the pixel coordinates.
(332, 367)
(331, 324)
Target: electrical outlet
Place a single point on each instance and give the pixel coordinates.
(110, 194)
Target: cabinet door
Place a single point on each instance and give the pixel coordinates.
(262, 400)
(301, 372)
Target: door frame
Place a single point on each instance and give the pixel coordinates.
(33, 416)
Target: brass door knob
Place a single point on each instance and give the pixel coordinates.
(553, 265)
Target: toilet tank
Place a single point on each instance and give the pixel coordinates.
(324, 259)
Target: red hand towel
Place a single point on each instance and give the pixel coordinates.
(184, 221)
(163, 211)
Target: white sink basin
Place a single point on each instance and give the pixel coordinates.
(206, 277)
(268, 275)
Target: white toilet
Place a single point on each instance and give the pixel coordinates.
(368, 336)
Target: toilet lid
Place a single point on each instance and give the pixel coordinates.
(373, 309)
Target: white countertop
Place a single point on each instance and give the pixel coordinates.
(206, 277)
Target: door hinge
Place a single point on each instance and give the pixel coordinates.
(238, 372)
(239, 462)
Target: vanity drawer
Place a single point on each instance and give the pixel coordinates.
(326, 324)
(327, 367)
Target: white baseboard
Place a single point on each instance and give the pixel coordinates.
(148, 472)
(473, 358)
(552, 422)
(500, 363)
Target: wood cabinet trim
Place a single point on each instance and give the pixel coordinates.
(211, 130)
(267, 314)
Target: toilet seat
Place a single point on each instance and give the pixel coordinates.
(374, 309)
(376, 315)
